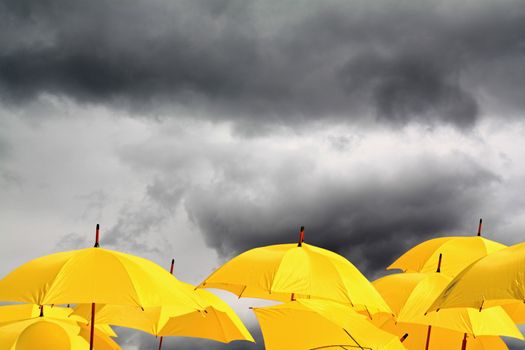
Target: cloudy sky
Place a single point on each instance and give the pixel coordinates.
(198, 129)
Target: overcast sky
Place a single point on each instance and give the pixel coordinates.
(199, 129)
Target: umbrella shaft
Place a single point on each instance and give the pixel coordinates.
(428, 338)
(464, 344)
(160, 343)
(92, 333)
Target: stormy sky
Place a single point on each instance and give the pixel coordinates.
(199, 129)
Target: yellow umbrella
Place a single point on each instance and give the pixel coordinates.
(51, 333)
(497, 279)
(20, 312)
(410, 294)
(320, 324)
(95, 275)
(456, 253)
(286, 272)
(217, 321)
(416, 337)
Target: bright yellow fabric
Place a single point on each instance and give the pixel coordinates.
(516, 311)
(218, 321)
(457, 253)
(411, 294)
(41, 332)
(497, 279)
(440, 339)
(19, 312)
(94, 275)
(312, 324)
(284, 272)
(43, 336)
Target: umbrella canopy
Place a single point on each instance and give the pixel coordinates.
(20, 312)
(95, 275)
(516, 311)
(497, 279)
(47, 333)
(410, 295)
(320, 324)
(452, 254)
(217, 321)
(286, 272)
(440, 338)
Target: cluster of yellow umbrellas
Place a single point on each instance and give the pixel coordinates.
(327, 303)
(453, 293)
(126, 290)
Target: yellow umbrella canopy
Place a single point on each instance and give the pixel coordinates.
(320, 324)
(410, 295)
(217, 321)
(46, 333)
(20, 312)
(497, 279)
(451, 254)
(286, 272)
(94, 275)
(516, 311)
(441, 339)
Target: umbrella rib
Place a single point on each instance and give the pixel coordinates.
(353, 339)
(58, 275)
(136, 297)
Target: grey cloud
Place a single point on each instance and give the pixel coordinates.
(371, 220)
(269, 63)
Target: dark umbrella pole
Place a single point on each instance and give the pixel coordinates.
(92, 331)
(427, 346)
(464, 344)
(171, 272)
(480, 226)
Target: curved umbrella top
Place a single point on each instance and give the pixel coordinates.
(287, 272)
(94, 275)
(320, 324)
(496, 279)
(21, 312)
(45, 333)
(450, 254)
(410, 295)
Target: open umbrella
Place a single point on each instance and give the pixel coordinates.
(95, 275)
(20, 312)
(287, 272)
(217, 321)
(453, 254)
(22, 328)
(410, 294)
(416, 337)
(320, 324)
(497, 279)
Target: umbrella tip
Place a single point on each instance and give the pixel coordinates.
(301, 237)
(403, 337)
(480, 226)
(97, 236)
(172, 265)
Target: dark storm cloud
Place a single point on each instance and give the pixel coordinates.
(269, 62)
(371, 220)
